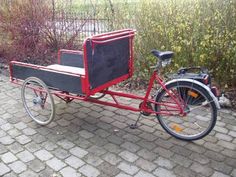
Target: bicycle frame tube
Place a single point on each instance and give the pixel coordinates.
(156, 78)
(176, 107)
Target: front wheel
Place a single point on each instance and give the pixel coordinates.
(38, 101)
(200, 112)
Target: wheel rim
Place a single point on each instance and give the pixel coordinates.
(197, 119)
(38, 101)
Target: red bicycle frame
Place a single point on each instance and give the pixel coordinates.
(174, 105)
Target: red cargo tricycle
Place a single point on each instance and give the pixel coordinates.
(185, 107)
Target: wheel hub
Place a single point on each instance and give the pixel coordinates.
(37, 100)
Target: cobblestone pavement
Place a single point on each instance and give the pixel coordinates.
(93, 140)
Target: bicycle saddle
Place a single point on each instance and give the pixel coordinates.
(162, 55)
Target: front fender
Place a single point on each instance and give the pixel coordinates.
(201, 85)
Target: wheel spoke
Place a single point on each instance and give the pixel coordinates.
(199, 115)
(38, 102)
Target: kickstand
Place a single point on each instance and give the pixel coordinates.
(134, 126)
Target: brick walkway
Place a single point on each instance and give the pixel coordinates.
(93, 140)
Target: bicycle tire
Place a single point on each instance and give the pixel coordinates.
(177, 127)
(32, 101)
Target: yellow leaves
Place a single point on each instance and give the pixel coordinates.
(177, 49)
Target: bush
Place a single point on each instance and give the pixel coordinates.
(22, 23)
(200, 32)
(32, 33)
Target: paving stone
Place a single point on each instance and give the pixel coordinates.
(3, 149)
(4, 169)
(8, 157)
(102, 133)
(119, 125)
(98, 141)
(163, 162)
(32, 147)
(23, 139)
(146, 144)
(85, 134)
(231, 162)
(122, 175)
(146, 154)
(145, 165)
(233, 172)
(6, 127)
(106, 119)
(232, 133)
(63, 122)
(28, 173)
(143, 173)
(180, 150)
(181, 160)
(227, 145)
(112, 148)
(130, 146)
(213, 146)
(14, 132)
(55, 164)
(20, 125)
(184, 172)
(25, 156)
(36, 165)
(61, 153)
(2, 133)
(48, 145)
(221, 129)
(115, 139)
(204, 170)
(214, 155)
(18, 167)
(89, 171)
(78, 152)
(69, 172)
(111, 158)
(74, 162)
(195, 148)
(147, 128)
(108, 169)
(221, 167)
(11, 174)
(128, 156)
(223, 137)
(199, 158)
(83, 143)
(107, 113)
(48, 172)
(96, 150)
(40, 138)
(2, 121)
(104, 125)
(6, 140)
(29, 131)
(128, 168)
(131, 138)
(151, 151)
(43, 155)
(163, 152)
(218, 174)
(161, 172)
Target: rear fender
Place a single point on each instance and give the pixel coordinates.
(201, 85)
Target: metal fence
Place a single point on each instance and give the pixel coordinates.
(79, 24)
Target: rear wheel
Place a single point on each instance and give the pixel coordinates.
(38, 101)
(199, 115)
